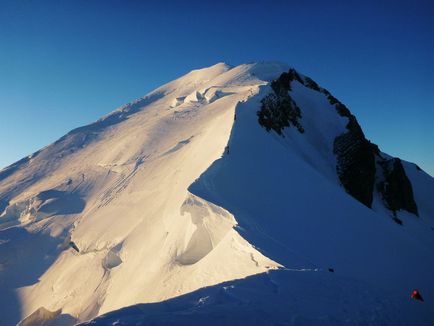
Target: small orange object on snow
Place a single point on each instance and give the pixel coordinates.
(416, 295)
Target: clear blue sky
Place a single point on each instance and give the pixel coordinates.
(66, 63)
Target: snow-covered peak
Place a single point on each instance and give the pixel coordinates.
(217, 68)
(184, 189)
(193, 85)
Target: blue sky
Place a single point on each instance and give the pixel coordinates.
(66, 63)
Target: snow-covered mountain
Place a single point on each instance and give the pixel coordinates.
(244, 194)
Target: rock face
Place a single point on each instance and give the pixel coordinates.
(355, 155)
(278, 109)
(396, 189)
(355, 160)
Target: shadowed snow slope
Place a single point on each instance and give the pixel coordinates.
(181, 191)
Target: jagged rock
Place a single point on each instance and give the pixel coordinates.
(355, 154)
(356, 165)
(396, 189)
(278, 109)
(355, 160)
(308, 82)
(282, 85)
(278, 112)
(355, 157)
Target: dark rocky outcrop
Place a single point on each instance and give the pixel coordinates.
(356, 163)
(278, 109)
(282, 85)
(278, 112)
(356, 156)
(308, 82)
(396, 188)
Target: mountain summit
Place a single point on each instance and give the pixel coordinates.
(235, 194)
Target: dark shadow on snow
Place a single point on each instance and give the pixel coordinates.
(61, 202)
(24, 257)
(279, 297)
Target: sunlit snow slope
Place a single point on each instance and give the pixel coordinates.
(182, 190)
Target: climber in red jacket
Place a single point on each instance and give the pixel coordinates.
(416, 295)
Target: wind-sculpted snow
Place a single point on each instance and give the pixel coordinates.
(45, 204)
(298, 215)
(44, 317)
(113, 198)
(281, 297)
(211, 223)
(181, 206)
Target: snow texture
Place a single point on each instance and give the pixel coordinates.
(180, 206)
